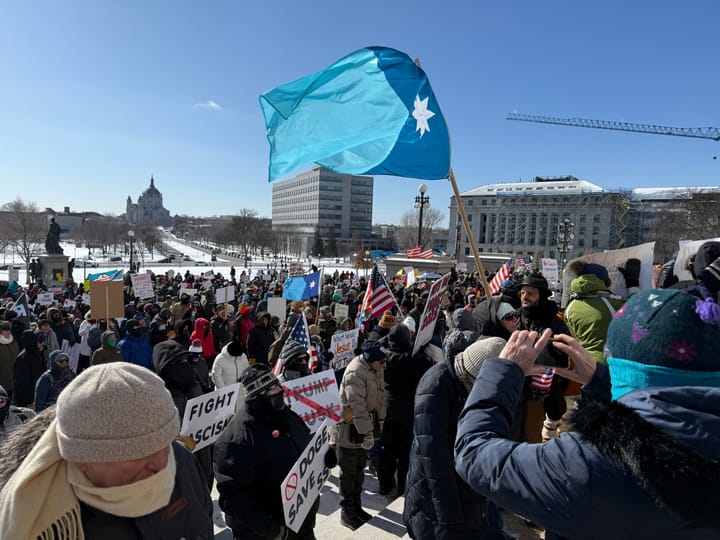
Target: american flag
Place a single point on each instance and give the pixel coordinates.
(302, 336)
(378, 297)
(418, 253)
(542, 382)
(500, 276)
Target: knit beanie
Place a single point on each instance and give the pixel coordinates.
(115, 412)
(664, 337)
(290, 351)
(373, 351)
(387, 320)
(468, 364)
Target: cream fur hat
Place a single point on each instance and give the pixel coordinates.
(115, 412)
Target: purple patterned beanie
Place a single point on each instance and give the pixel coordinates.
(664, 337)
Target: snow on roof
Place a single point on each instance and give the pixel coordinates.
(573, 187)
(670, 192)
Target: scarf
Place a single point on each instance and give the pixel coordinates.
(132, 500)
(38, 501)
(6, 340)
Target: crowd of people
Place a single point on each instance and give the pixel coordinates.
(594, 420)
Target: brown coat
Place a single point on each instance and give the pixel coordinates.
(361, 390)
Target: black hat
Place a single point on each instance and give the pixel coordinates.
(536, 279)
(5, 325)
(373, 351)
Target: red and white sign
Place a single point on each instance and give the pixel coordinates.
(430, 314)
(315, 398)
(343, 345)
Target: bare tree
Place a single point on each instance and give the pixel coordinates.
(406, 233)
(24, 227)
(244, 229)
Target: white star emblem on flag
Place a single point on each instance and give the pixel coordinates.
(422, 114)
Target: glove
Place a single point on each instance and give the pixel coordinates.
(631, 273)
(368, 442)
(331, 458)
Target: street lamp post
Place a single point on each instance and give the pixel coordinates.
(565, 236)
(131, 234)
(420, 202)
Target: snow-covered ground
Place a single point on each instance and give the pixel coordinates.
(200, 262)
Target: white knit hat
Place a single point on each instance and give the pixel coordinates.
(469, 362)
(115, 412)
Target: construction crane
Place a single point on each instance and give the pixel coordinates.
(697, 133)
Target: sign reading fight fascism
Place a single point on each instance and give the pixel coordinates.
(303, 483)
(207, 416)
(314, 398)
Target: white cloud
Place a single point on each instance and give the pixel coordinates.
(210, 104)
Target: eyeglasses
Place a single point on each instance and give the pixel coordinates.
(510, 317)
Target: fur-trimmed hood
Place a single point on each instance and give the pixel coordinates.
(667, 440)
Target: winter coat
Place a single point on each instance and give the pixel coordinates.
(587, 316)
(252, 457)
(219, 328)
(227, 369)
(51, 383)
(246, 325)
(8, 353)
(180, 377)
(645, 466)
(29, 365)
(202, 332)
(136, 350)
(438, 504)
(106, 353)
(187, 515)
(259, 341)
(362, 391)
(485, 317)
(159, 329)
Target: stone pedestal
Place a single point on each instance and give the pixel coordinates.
(54, 270)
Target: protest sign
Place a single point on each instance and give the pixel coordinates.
(614, 259)
(341, 312)
(45, 298)
(207, 285)
(69, 304)
(207, 416)
(13, 273)
(303, 483)
(142, 286)
(188, 291)
(314, 398)
(430, 313)
(687, 250)
(400, 280)
(170, 273)
(276, 307)
(86, 299)
(550, 270)
(225, 294)
(107, 299)
(343, 345)
(73, 353)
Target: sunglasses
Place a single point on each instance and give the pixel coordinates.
(61, 361)
(510, 317)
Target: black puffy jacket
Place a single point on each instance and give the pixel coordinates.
(438, 504)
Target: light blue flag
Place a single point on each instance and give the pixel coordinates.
(372, 112)
(302, 287)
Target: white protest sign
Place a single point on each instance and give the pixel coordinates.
(614, 259)
(410, 272)
(225, 294)
(188, 291)
(343, 345)
(276, 307)
(70, 304)
(86, 299)
(314, 398)
(461, 267)
(207, 284)
(341, 312)
(550, 270)
(209, 274)
(142, 286)
(430, 313)
(13, 273)
(303, 483)
(206, 416)
(687, 250)
(45, 298)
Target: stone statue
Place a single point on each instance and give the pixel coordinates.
(52, 240)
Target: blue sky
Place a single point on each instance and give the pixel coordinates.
(97, 96)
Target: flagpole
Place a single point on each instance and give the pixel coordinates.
(391, 292)
(469, 234)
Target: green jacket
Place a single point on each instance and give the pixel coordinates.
(588, 316)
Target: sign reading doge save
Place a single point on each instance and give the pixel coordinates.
(303, 483)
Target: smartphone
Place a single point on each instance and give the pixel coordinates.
(552, 357)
